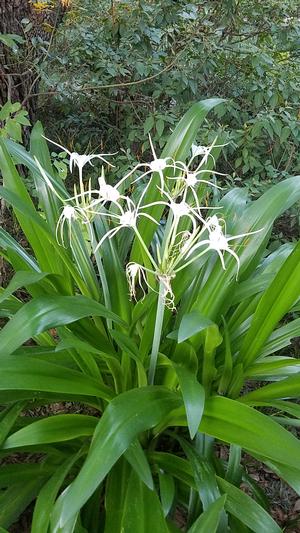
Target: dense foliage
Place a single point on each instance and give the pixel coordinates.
(150, 304)
(119, 70)
(160, 387)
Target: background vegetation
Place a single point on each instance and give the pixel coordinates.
(119, 70)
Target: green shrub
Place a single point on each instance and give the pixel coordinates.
(164, 377)
(135, 67)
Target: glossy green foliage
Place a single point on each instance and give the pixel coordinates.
(134, 452)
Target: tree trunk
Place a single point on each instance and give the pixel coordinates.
(18, 76)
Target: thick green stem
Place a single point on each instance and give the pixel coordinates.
(157, 332)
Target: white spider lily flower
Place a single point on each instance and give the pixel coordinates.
(198, 150)
(128, 218)
(81, 211)
(69, 212)
(136, 275)
(205, 152)
(157, 165)
(190, 183)
(219, 242)
(191, 179)
(80, 160)
(182, 209)
(106, 193)
(134, 272)
(75, 198)
(68, 215)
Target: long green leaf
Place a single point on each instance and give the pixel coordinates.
(15, 500)
(47, 495)
(22, 157)
(136, 457)
(234, 422)
(283, 292)
(48, 201)
(247, 510)
(41, 314)
(7, 419)
(11, 474)
(49, 242)
(193, 394)
(124, 419)
(286, 388)
(281, 337)
(13, 183)
(57, 428)
(25, 279)
(19, 374)
(167, 491)
(115, 493)
(8, 243)
(273, 366)
(142, 511)
(209, 520)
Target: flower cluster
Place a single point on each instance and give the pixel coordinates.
(187, 233)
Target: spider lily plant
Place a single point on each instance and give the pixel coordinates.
(155, 307)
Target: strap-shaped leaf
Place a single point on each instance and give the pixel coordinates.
(136, 457)
(16, 498)
(184, 364)
(57, 428)
(11, 474)
(274, 367)
(125, 418)
(234, 422)
(167, 491)
(8, 243)
(45, 312)
(48, 201)
(286, 388)
(25, 279)
(141, 510)
(47, 495)
(247, 510)
(193, 395)
(283, 292)
(22, 157)
(13, 183)
(8, 417)
(18, 374)
(209, 520)
(49, 241)
(281, 337)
